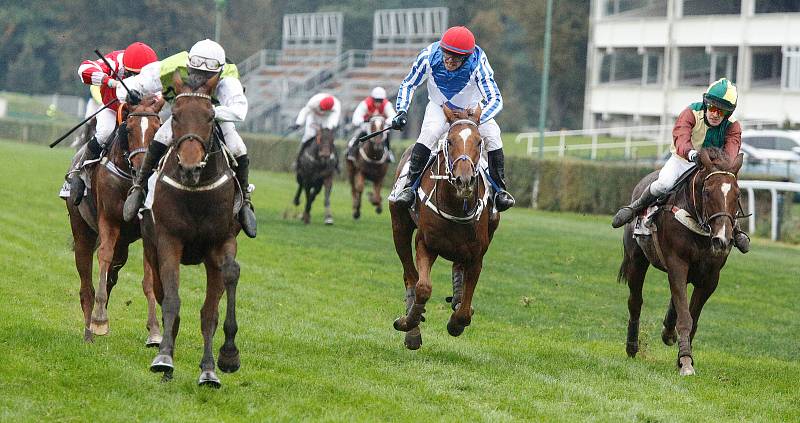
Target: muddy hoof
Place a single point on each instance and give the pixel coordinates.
(687, 366)
(162, 363)
(413, 339)
(228, 361)
(99, 328)
(153, 341)
(669, 337)
(454, 328)
(632, 348)
(210, 379)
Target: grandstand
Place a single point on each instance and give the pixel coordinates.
(279, 82)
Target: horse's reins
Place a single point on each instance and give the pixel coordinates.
(193, 136)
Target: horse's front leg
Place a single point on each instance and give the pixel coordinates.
(109, 237)
(701, 293)
(462, 316)
(209, 318)
(356, 191)
(148, 286)
(169, 251)
(677, 273)
(84, 238)
(328, 187)
(377, 201)
(310, 195)
(422, 290)
(229, 354)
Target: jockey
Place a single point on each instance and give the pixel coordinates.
(322, 110)
(204, 60)
(95, 72)
(703, 124)
(375, 104)
(459, 76)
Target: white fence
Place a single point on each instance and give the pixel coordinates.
(773, 188)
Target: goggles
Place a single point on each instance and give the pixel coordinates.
(455, 58)
(204, 62)
(714, 109)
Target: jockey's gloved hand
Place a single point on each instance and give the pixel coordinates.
(693, 156)
(134, 97)
(399, 121)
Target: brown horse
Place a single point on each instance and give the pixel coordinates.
(708, 203)
(100, 216)
(454, 220)
(315, 168)
(371, 163)
(193, 221)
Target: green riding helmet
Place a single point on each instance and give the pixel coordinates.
(722, 94)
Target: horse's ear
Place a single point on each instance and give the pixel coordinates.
(705, 159)
(737, 163)
(475, 114)
(209, 86)
(448, 114)
(177, 81)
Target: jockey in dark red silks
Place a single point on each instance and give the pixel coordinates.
(375, 104)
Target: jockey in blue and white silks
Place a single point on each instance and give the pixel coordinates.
(459, 77)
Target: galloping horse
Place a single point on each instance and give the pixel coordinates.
(371, 164)
(192, 221)
(315, 168)
(690, 241)
(454, 220)
(100, 214)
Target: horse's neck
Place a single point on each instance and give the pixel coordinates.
(116, 154)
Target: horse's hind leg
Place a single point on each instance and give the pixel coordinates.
(462, 316)
(668, 334)
(148, 286)
(84, 239)
(228, 360)
(357, 188)
(635, 274)
(109, 238)
(328, 187)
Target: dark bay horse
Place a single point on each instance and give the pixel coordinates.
(454, 221)
(97, 222)
(709, 199)
(316, 168)
(193, 221)
(371, 163)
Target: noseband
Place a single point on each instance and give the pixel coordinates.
(450, 164)
(194, 136)
(703, 219)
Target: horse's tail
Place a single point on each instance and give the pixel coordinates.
(622, 276)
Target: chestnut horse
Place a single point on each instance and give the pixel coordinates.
(453, 220)
(371, 163)
(316, 168)
(192, 221)
(708, 203)
(100, 216)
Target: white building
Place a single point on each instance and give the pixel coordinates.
(648, 59)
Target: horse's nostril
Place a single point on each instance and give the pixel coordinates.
(718, 242)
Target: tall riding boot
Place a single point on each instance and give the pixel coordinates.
(626, 214)
(740, 239)
(502, 199)
(419, 157)
(76, 184)
(247, 216)
(136, 194)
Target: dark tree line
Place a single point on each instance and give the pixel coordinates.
(42, 42)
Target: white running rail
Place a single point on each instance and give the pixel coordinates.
(773, 188)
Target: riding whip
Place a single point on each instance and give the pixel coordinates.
(103, 58)
(374, 134)
(105, 106)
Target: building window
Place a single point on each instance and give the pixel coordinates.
(790, 69)
(777, 6)
(623, 66)
(653, 62)
(711, 7)
(766, 69)
(643, 8)
(694, 67)
(723, 63)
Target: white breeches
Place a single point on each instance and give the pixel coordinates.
(672, 170)
(233, 140)
(313, 123)
(434, 125)
(106, 122)
(91, 107)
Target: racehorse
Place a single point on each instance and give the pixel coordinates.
(316, 168)
(454, 220)
(192, 220)
(371, 163)
(691, 252)
(100, 216)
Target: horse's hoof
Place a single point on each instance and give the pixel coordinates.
(162, 363)
(210, 379)
(454, 328)
(356, 215)
(99, 328)
(153, 341)
(378, 209)
(413, 339)
(669, 337)
(686, 364)
(228, 361)
(401, 324)
(329, 221)
(632, 348)
(87, 336)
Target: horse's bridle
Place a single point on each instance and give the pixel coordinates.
(193, 136)
(130, 154)
(702, 219)
(450, 164)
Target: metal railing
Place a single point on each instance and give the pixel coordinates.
(773, 188)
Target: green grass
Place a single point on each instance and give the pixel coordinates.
(316, 305)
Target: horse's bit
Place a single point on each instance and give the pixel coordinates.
(705, 222)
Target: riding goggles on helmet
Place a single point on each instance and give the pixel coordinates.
(714, 109)
(210, 64)
(455, 58)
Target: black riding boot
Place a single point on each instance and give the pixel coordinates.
(626, 214)
(136, 194)
(247, 216)
(419, 157)
(740, 239)
(503, 200)
(76, 184)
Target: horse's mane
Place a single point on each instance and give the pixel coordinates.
(196, 80)
(719, 159)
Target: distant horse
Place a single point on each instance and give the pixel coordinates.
(101, 214)
(371, 163)
(193, 220)
(708, 204)
(316, 168)
(454, 220)
(89, 129)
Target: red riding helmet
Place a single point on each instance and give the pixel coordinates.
(458, 40)
(137, 55)
(326, 103)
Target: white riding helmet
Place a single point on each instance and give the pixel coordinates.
(378, 93)
(206, 55)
